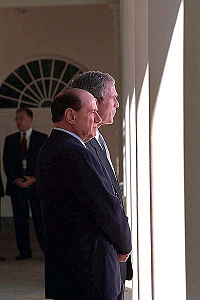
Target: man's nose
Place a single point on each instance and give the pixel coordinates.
(116, 103)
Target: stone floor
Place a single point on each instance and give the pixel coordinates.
(23, 280)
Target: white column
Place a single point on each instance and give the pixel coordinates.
(115, 8)
(135, 74)
(127, 23)
(167, 150)
(143, 140)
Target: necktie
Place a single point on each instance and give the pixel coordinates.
(24, 150)
(24, 146)
(102, 142)
(105, 148)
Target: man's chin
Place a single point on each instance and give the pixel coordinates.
(108, 122)
(91, 136)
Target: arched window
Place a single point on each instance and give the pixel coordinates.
(35, 83)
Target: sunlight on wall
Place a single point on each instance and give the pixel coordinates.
(130, 186)
(168, 178)
(126, 169)
(134, 200)
(126, 156)
(144, 209)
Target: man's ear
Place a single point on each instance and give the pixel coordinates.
(70, 115)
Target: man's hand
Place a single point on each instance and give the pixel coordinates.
(24, 184)
(29, 180)
(20, 182)
(123, 257)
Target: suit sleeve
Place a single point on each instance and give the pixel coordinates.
(91, 187)
(9, 161)
(32, 162)
(1, 187)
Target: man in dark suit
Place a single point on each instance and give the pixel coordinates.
(102, 87)
(20, 154)
(1, 195)
(86, 229)
(1, 188)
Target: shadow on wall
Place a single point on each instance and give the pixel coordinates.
(150, 43)
(162, 21)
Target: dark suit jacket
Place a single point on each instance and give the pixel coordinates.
(85, 224)
(94, 146)
(1, 188)
(12, 159)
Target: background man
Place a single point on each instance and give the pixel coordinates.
(1, 188)
(86, 229)
(20, 153)
(102, 87)
(1, 195)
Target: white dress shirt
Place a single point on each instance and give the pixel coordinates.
(27, 136)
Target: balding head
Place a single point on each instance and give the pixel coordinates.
(76, 110)
(69, 98)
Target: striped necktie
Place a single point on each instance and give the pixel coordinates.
(105, 148)
(24, 146)
(102, 142)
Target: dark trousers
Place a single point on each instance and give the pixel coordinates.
(121, 295)
(20, 206)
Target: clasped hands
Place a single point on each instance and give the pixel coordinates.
(25, 182)
(123, 257)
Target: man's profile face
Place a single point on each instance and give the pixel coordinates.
(108, 106)
(23, 121)
(87, 118)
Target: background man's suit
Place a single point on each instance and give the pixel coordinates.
(1, 195)
(1, 188)
(94, 146)
(85, 224)
(12, 159)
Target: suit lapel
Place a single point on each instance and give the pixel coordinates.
(17, 143)
(94, 146)
(97, 149)
(66, 136)
(31, 144)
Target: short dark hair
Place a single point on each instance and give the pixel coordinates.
(28, 111)
(95, 82)
(65, 99)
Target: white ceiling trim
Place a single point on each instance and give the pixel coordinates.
(33, 3)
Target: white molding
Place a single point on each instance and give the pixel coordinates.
(28, 59)
(44, 94)
(34, 3)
